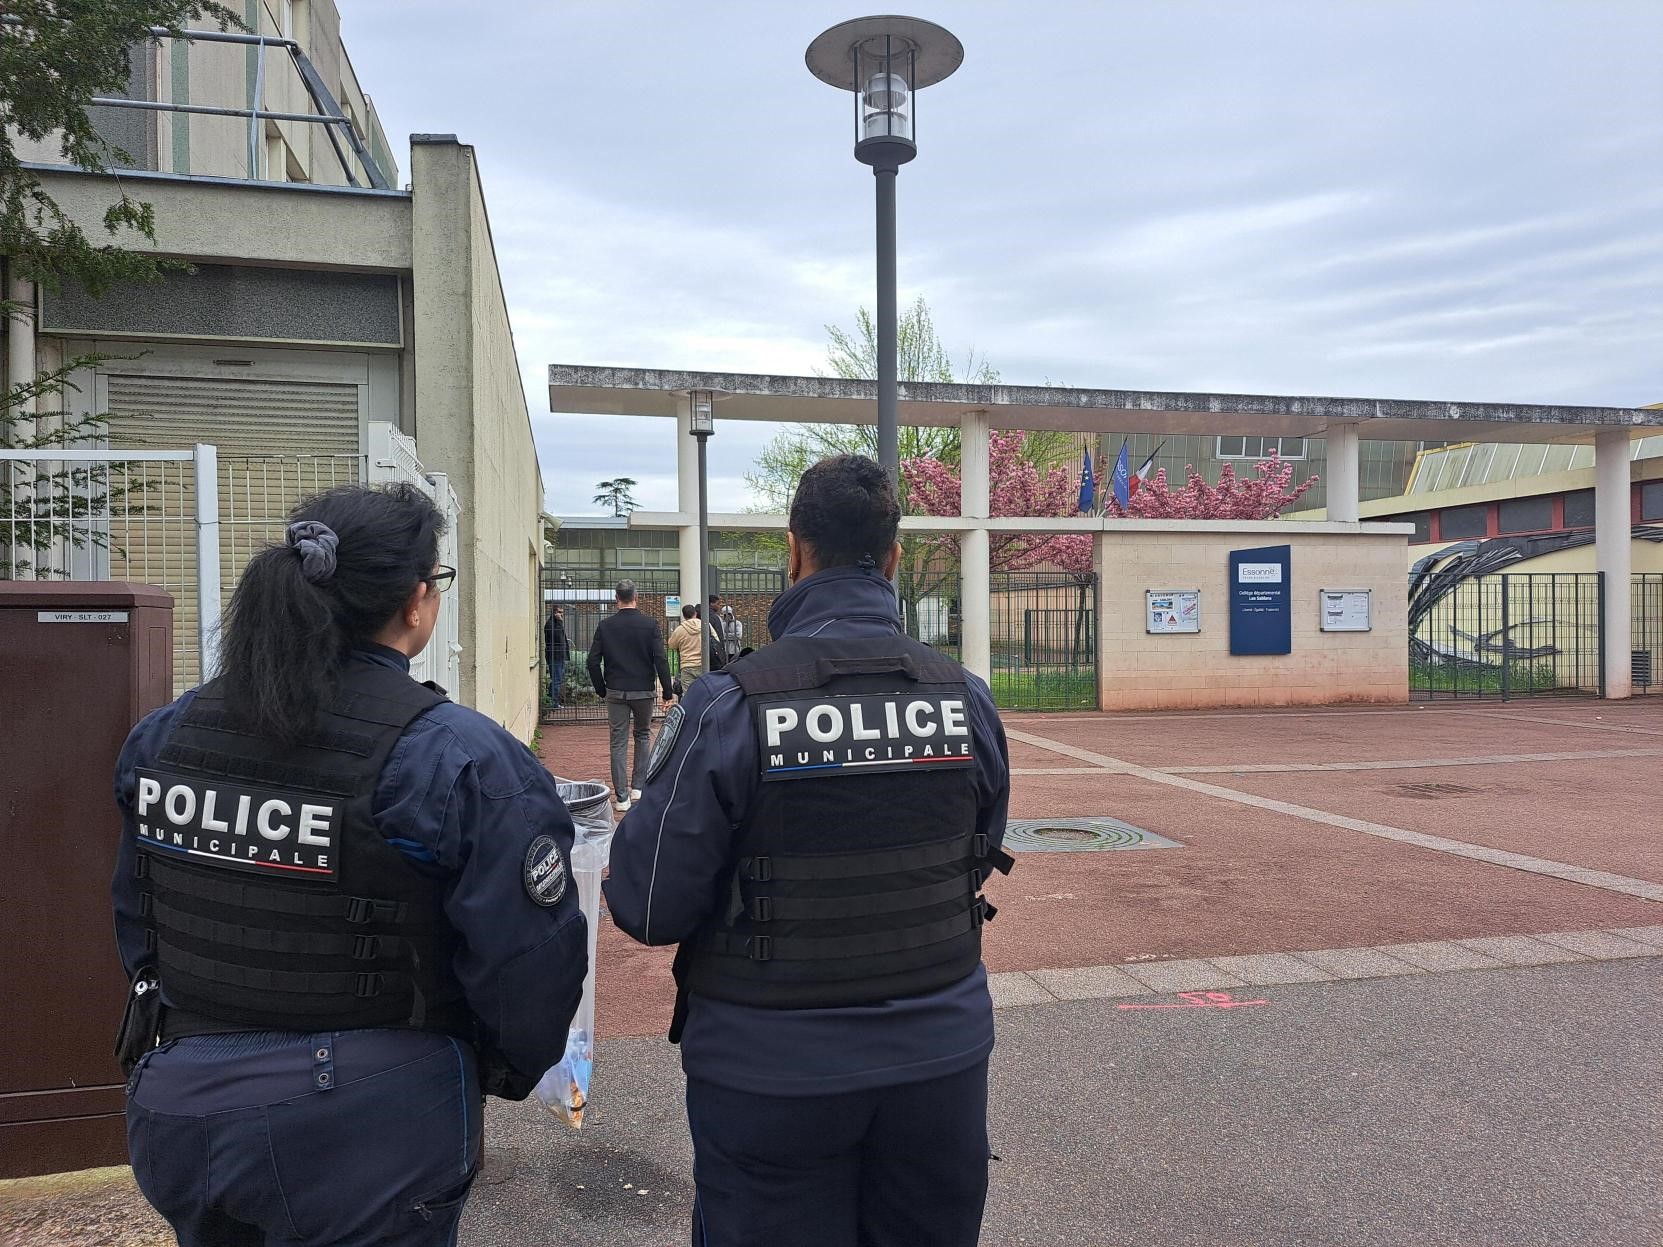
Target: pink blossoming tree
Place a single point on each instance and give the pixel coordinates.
(1017, 486)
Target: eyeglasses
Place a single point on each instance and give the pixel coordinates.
(441, 579)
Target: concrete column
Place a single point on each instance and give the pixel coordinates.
(687, 502)
(1344, 479)
(976, 588)
(20, 338)
(1613, 555)
(1099, 560)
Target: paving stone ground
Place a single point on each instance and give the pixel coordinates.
(1398, 1098)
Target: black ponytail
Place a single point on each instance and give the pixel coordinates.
(293, 620)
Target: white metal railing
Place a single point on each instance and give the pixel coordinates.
(114, 514)
(392, 456)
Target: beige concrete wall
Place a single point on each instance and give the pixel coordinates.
(471, 421)
(258, 223)
(1138, 671)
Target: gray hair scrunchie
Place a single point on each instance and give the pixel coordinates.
(316, 544)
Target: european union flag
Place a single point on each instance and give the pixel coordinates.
(1088, 485)
(1122, 480)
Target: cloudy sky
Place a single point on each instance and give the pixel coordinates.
(1456, 199)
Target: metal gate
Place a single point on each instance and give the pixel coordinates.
(1647, 656)
(1044, 634)
(588, 596)
(1506, 636)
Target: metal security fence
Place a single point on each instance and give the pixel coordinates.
(1044, 640)
(148, 517)
(588, 596)
(1506, 636)
(188, 521)
(1647, 656)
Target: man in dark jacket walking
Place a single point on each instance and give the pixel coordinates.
(557, 651)
(627, 652)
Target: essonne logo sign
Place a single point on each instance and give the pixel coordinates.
(1259, 574)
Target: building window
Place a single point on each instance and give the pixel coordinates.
(1460, 523)
(1579, 509)
(1526, 515)
(1651, 500)
(1422, 520)
(1260, 447)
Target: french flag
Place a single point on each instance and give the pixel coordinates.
(1143, 473)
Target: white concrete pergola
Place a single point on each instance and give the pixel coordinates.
(976, 409)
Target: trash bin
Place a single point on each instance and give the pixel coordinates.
(564, 1090)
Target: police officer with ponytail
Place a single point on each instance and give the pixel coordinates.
(817, 823)
(349, 898)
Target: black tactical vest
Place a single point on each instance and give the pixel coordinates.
(270, 900)
(859, 869)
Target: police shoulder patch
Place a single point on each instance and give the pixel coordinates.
(666, 742)
(545, 871)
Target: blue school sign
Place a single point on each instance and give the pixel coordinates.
(1261, 600)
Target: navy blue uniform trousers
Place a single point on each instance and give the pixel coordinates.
(328, 1140)
(902, 1166)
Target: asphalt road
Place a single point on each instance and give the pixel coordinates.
(1519, 1107)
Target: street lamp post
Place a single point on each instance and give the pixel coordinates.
(702, 425)
(885, 61)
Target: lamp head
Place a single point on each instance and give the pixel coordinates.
(885, 61)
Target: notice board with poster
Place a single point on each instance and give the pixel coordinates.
(1261, 600)
(1172, 610)
(1346, 610)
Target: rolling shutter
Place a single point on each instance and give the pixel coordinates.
(278, 441)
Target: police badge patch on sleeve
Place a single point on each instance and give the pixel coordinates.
(667, 733)
(545, 871)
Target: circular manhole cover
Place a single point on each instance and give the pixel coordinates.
(1078, 835)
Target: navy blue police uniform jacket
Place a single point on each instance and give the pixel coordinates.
(672, 858)
(463, 799)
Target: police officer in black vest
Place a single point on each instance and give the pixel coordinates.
(817, 824)
(349, 898)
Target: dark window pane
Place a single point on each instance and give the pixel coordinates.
(1651, 500)
(1526, 515)
(1459, 523)
(1231, 447)
(1293, 448)
(1422, 520)
(1579, 509)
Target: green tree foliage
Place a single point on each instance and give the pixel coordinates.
(55, 57)
(919, 355)
(927, 567)
(618, 493)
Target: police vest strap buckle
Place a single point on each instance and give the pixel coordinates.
(363, 909)
(985, 911)
(760, 948)
(141, 867)
(758, 869)
(761, 909)
(366, 947)
(981, 846)
(368, 985)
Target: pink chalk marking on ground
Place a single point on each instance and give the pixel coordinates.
(1200, 1000)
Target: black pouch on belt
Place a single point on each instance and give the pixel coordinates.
(141, 1020)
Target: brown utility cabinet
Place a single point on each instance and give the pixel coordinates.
(80, 663)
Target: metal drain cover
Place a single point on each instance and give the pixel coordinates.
(1079, 835)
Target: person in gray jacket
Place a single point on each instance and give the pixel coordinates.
(625, 656)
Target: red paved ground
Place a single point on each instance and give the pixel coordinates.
(1249, 880)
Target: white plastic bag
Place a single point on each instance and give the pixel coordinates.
(564, 1090)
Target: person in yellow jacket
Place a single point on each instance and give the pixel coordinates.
(687, 640)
